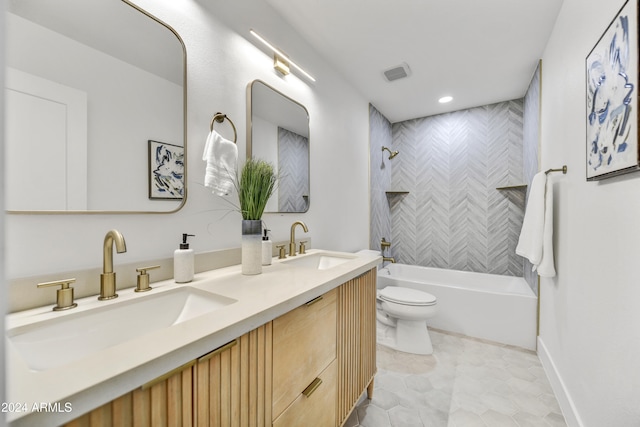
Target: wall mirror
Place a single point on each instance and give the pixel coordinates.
(95, 109)
(278, 132)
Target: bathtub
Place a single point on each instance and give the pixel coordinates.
(487, 306)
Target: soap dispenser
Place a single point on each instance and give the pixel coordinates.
(183, 261)
(267, 249)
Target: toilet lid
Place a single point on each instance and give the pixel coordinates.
(406, 296)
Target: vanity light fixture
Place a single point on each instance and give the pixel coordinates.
(281, 62)
(445, 99)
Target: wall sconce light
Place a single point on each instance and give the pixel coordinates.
(281, 62)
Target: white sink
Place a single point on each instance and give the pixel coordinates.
(51, 343)
(319, 261)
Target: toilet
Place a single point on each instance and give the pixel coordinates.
(402, 315)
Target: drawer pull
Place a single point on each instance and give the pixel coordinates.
(218, 350)
(312, 387)
(313, 301)
(168, 375)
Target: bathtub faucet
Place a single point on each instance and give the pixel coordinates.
(384, 244)
(389, 258)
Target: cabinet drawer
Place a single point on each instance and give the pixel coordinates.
(304, 344)
(318, 409)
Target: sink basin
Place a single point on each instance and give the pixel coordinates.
(55, 342)
(319, 261)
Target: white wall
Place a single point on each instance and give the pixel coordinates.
(3, 290)
(221, 62)
(589, 318)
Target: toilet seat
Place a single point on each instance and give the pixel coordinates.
(406, 296)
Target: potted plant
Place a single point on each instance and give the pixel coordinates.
(255, 185)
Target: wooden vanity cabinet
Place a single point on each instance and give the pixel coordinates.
(304, 345)
(166, 403)
(226, 387)
(233, 384)
(308, 367)
(316, 408)
(305, 341)
(356, 342)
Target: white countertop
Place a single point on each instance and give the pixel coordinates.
(105, 375)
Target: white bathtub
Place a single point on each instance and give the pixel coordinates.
(488, 306)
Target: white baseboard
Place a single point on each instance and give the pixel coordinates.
(569, 411)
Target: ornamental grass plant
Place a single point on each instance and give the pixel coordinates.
(255, 186)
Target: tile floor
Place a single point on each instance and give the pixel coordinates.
(466, 382)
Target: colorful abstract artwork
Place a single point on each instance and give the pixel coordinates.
(612, 98)
(166, 171)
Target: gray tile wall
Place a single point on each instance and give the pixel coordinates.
(293, 163)
(531, 140)
(380, 176)
(451, 164)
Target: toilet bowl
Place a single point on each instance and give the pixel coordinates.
(402, 315)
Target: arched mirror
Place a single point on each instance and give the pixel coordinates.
(278, 132)
(95, 109)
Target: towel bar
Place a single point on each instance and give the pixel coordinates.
(563, 169)
(219, 117)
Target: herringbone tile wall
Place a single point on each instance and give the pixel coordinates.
(293, 162)
(451, 164)
(531, 140)
(380, 176)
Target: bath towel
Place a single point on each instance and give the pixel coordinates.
(536, 236)
(221, 156)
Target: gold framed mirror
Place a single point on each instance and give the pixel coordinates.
(89, 84)
(278, 132)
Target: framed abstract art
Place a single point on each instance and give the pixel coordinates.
(166, 171)
(612, 98)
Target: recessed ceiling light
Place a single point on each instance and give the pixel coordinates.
(445, 99)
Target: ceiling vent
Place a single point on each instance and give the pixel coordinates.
(398, 72)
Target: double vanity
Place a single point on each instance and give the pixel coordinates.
(293, 344)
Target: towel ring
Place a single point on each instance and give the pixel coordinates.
(219, 117)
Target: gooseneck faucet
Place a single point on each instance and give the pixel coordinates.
(292, 242)
(108, 277)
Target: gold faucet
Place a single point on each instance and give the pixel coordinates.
(108, 277)
(384, 244)
(389, 258)
(292, 242)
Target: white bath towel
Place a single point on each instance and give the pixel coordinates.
(536, 236)
(221, 156)
(547, 268)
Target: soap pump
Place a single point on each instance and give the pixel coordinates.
(183, 261)
(267, 249)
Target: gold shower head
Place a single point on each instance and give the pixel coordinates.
(392, 154)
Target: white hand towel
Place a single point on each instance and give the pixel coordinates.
(221, 156)
(546, 267)
(536, 236)
(530, 242)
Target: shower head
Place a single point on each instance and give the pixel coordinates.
(392, 154)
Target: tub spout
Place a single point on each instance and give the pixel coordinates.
(389, 259)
